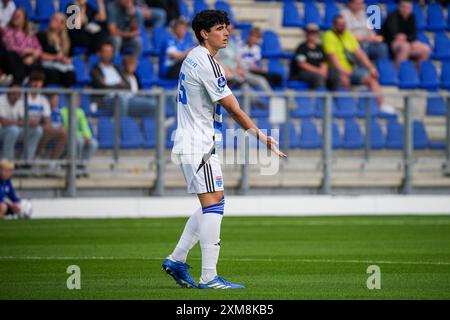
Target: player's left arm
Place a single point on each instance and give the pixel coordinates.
(231, 104)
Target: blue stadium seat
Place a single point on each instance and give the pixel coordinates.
(159, 36)
(353, 137)
(145, 73)
(309, 135)
(441, 46)
(297, 85)
(294, 140)
(130, 134)
(184, 9)
(200, 5)
(337, 142)
(345, 106)
(388, 73)
(373, 106)
(147, 44)
(312, 14)
(331, 10)
(81, 70)
(225, 6)
(149, 133)
(291, 15)
(63, 4)
(420, 19)
(271, 47)
(277, 67)
(304, 108)
(391, 6)
(420, 135)
(429, 78)
(26, 4)
(105, 133)
(448, 18)
(259, 112)
(421, 36)
(44, 10)
(445, 75)
(395, 135)
(85, 103)
(409, 79)
(435, 18)
(320, 105)
(170, 136)
(377, 138)
(436, 106)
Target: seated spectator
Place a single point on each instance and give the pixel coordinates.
(400, 33)
(23, 49)
(155, 16)
(356, 18)
(12, 114)
(352, 64)
(90, 30)
(177, 49)
(250, 56)
(87, 145)
(11, 206)
(55, 58)
(171, 8)
(309, 63)
(40, 111)
(7, 8)
(124, 23)
(106, 75)
(235, 74)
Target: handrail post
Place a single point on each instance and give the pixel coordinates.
(408, 148)
(117, 116)
(160, 145)
(327, 152)
(244, 182)
(71, 177)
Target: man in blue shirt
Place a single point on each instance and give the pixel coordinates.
(9, 201)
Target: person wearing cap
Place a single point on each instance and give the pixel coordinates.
(10, 203)
(309, 63)
(177, 49)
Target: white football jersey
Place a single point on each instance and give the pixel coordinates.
(201, 84)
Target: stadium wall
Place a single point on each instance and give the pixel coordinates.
(242, 206)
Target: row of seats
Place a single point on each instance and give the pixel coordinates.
(135, 136)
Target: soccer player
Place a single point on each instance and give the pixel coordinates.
(202, 89)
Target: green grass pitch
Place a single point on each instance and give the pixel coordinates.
(276, 258)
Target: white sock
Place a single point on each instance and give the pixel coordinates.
(210, 244)
(189, 237)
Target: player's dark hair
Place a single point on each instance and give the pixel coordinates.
(37, 75)
(206, 19)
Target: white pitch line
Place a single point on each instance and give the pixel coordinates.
(437, 263)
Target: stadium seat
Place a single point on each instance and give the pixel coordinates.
(353, 137)
(159, 36)
(130, 134)
(445, 75)
(63, 4)
(293, 140)
(81, 70)
(170, 136)
(388, 73)
(147, 45)
(199, 5)
(309, 136)
(373, 106)
(320, 105)
(435, 18)
(420, 19)
(441, 46)
(312, 14)
(429, 78)
(145, 73)
(377, 138)
(420, 135)
(259, 111)
(105, 133)
(331, 10)
(336, 137)
(436, 106)
(422, 37)
(184, 9)
(395, 135)
(271, 47)
(26, 4)
(408, 77)
(44, 10)
(277, 67)
(304, 107)
(291, 15)
(225, 6)
(85, 103)
(149, 125)
(345, 106)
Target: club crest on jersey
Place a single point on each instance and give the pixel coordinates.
(221, 83)
(219, 181)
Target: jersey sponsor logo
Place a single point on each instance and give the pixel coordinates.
(219, 181)
(221, 83)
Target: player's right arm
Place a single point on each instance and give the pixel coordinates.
(231, 104)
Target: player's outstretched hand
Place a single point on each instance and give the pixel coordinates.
(272, 144)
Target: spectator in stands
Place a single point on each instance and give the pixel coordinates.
(9, 201)
(177, 49)
(400, 33)
(40, 111)
(90, 30)
(23, 49)
(124, 22)
(55, 43)
(235, 74)
(250, 56)
(157, 17)
(356, 19)
(7, 8)
(171, 7)
(12, 114)
(353, 65)
(106, 75)
(309, 63)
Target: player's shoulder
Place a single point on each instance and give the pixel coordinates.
(200, 59)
